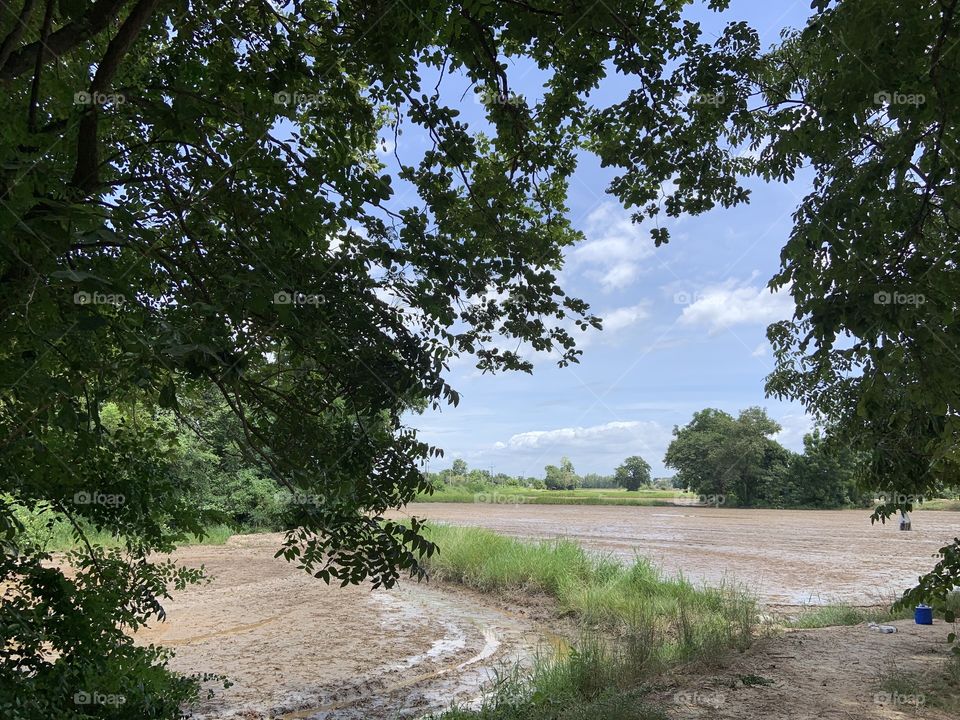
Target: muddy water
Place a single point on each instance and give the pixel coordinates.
(297, 649)
(787, 557)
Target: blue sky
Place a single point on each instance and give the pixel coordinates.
(684, 324)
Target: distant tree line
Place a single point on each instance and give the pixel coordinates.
(734, 460)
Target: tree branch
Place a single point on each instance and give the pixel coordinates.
(63, 40)
(35, 85)
(16, 32)
(85, 175)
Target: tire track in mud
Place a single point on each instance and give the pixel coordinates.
(386, 693)
(298, 649)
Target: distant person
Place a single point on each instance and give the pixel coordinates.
(904, 520)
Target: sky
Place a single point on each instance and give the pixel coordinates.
(684, 324)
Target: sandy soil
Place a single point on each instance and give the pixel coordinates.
(297, 648)
(829, 673)
(787, 557)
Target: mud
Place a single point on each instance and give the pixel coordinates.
(787, 557)
(294, 647)
(831, 673)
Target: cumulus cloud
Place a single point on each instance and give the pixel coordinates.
(735, 303)
(794, 427)
(619, 434)
(614, 248)
(624, 317)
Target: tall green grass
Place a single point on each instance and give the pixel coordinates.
(633, 622)
(952, 504)
(52, 532)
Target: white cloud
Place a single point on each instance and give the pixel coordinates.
(794, 427)
(614, 248)
(760, 350)
(734, 303)
(614, 322)
(618, 435)
(624, 317)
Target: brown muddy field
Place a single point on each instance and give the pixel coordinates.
(296, 648)
(786, 557)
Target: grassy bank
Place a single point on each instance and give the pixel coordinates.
(832, 615)
(512, 494)
(62, 539)
(634, 623)
(52, 532)
(940, 504)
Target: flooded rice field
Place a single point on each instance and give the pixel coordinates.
(786, 557)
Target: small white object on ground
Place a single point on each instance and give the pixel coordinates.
(882, 628)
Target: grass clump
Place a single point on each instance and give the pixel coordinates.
(832, 615)
(634, 623)
(551, 692)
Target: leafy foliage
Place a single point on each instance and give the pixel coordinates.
(874, 348)
(634, 473)
(561, 478)
(734, 461)
(193, 204)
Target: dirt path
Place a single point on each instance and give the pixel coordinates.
(787, 557)
(829, 673)
(297, 648)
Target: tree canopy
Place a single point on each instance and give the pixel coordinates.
(720, 456)
(193, 202)
(874, 347)
(633, 473)
(736, 461)
(563, 477)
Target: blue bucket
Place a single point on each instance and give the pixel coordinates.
(923, 615)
